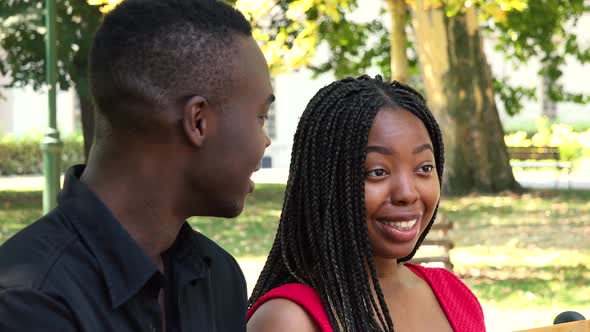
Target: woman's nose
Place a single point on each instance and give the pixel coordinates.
(403, 189)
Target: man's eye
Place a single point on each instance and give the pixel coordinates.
(376, 172)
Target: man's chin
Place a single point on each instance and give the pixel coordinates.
(233, 210)
(224, 208)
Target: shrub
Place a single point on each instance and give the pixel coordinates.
(572, 145)
(23, 156)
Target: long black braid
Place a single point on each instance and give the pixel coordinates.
(322, 239)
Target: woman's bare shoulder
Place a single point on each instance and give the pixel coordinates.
(281, 315)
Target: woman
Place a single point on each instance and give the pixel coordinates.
(363, 191)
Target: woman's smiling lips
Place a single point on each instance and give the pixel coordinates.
(400, 227)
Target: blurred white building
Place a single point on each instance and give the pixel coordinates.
(23, 111)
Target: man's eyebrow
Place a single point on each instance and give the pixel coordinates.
(379, 149)
(422, 148)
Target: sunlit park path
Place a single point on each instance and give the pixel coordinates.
(526, 257)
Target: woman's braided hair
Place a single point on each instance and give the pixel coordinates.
(322, 237)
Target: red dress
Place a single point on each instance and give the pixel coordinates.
(461, 307)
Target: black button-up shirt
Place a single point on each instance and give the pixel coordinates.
(77, 269)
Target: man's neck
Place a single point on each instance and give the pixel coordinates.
(142, 203)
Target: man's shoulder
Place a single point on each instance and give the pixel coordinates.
(27, 258)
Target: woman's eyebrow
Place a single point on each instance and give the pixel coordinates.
(379, 149)
(423, 147)
(387, 151)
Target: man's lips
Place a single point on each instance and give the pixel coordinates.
(252, 185)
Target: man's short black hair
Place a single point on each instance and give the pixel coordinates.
(151, 53)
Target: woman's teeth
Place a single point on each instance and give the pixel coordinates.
(402, 225)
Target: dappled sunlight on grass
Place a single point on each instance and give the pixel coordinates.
(501, 256)
(539, 219)
(526, 287)
(517, 278)
(523, 251)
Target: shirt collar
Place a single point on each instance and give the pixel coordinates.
(125, 266)
(191, 260)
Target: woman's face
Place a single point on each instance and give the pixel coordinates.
(401, 182)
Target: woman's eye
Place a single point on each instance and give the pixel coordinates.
(426, 168)
(376, 172)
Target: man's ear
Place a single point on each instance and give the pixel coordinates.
(195, 120)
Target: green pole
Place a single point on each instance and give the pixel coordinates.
(51, 145)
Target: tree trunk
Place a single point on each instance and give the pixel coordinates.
(548, 106)
(458, 84)
(399, 40)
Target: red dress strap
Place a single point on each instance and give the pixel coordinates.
(459, 304)
(304, 296)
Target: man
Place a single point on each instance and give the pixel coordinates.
(182, 91)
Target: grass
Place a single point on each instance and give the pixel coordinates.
(529, 251)
(524, 251)
(17, 209)
(251, 234)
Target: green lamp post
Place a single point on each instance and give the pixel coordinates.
(51, 144)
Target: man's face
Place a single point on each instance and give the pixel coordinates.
(238, 140)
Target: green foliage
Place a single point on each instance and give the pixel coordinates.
(356, 47)
(525, 30)
(289, 30)
(543, 31)
(22, 155)
(513, 96)
(22, 32)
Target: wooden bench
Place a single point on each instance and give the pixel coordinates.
(438, 237)
(539, 157)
